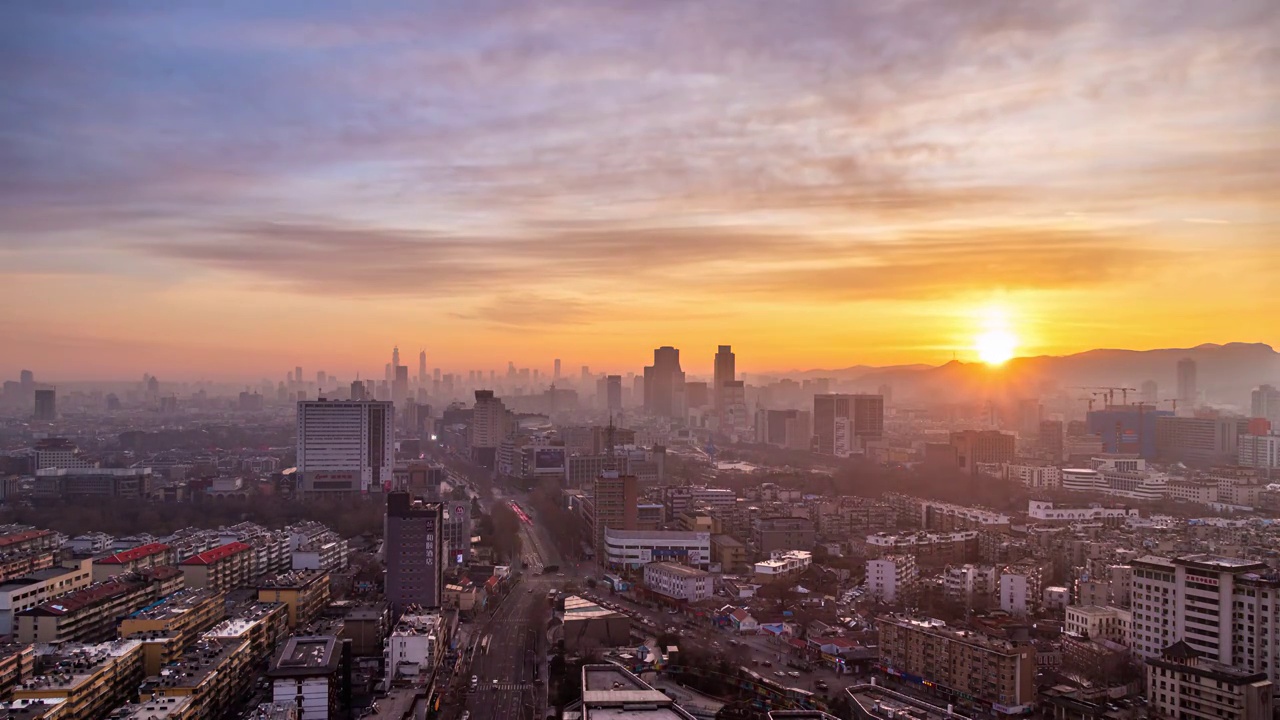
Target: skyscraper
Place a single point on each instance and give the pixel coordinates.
(1150, 392)
(412, 548)
(614, 505)
(856, 418)
(725, 371)
(613, 393)
(297, 374)
(395, 356)
(488, 428)
(1265, 403)
(358, 390)
(422, 367)
(556, 374)
(1187, 393)
(664, 384)
(46, 409)
(345, 447)
(400, 385)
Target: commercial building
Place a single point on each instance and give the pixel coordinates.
(782, 533)
(1045, 511)
(610, 692)
(959, 664)
(305, 593)
(613, 393)
(313, 672)
(1265, 403)
(782, 566)
(791, 429)
(612, 506)
(1260, 451)
(223, 568)
(412, 547)
(89, 680)
(417, 644)
(977, 447)
(678, 582)
(91, 614)
(345, 448)
(488, 428)
(862, 416)
(664, 385)
(1127, 429)
(1099, 623)
(1224, 608)
(1183, 683)
(1036, 477)
(1197, 440)
(892, 577)
(59, 453)
(92, 482)
(46, 409)
(35, 588)
(682, 498)
(138, 558)
(633, 549)
(168, 627)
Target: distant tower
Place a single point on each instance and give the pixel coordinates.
(422, 366)
(46, 409)
(725, 371)
(556, 376)
(1187, 393)
(395, 356)
(1150, 392)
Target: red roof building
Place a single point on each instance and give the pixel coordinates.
(138, 558)
(223, 568)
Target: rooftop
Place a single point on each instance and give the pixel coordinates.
(678, 569)
(655, 534)
(199, 661)
(306, 656)
(294, 580)
(74, 663)
(208, 557)
(876, 701)
(157, 709)
(37, 576)
(609, 691)
(133, 554)
(173, 605)
(576, 608)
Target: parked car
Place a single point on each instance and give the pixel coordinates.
(793, 674)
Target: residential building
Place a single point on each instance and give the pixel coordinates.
(1199, 440)
(37, 587)
(1260, 451)
(1036, 477)
(412, 548)
(633, 549)
(960, 663)
(863, 416)
(782, 565)
(91, 614)
(310, 671)
(892, 578)
(782, 533)
(263, 625)
(305, 593)
(1020, 590)
(1045, 511)
(681, 498)
(976, 447)
(664, 385)
(488, 427)
(727, 551)
(1183, 683)
(678, 582)
(221, 569)
(168, 627)
(138, 558)
(930, 549)
(613, 506)
(91, 482)
(792, 429)
(345, 448)
(973, 585)
(212, 676)
(1265, 404)
(89, 680)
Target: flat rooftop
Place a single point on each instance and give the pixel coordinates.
(158, 709)
(877, 701)
(306, 656)
(36, 576)
(609, 691)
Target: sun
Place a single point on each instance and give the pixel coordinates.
(996, 343)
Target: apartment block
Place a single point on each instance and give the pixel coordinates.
(223, 568)
(263, 625)
(960, 664)
(1099, 623)
(929, 549)
(769, 534)
(727, 551)
(17, 663)
(138, 558)
(168, 627)
(91, 614)
(88, 680)
(782, 566)
(24, 593)
(973, 585)
(304, 593)
(892, 578)
(211, 675)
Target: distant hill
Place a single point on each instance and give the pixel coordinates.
(1225, 374)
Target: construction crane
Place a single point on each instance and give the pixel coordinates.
(1171, 400)
(1110, 392)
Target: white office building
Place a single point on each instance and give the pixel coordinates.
(1048, 512)
(633, 549)
(679, 582)
(1225, 608)
(345, 447)
(1259, 451)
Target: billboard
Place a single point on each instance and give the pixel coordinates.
(548, 460)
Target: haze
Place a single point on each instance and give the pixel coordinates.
(221, 190)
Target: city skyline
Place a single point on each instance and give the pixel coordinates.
(218, 192)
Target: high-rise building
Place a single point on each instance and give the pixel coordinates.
(395, 356)
(1223, 608)
(1149, 393)
(863, 417)
(345, 447)
(785, 428)
(975, 447)
(412, 546)
(612, 391)
(1199, 440)
(1265, 403)
(422, 367)
(488, 428)
(400, 385)
(735, 418)
(613, 505)
(725, 371)
(664, 384)
(358, 391)
(556, 373)
(46, 409)
(1051, 439)
(297, 375)
(1188, 395)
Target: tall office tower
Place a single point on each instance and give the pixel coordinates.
(1149, 393)
(357, 390)
(1222, 607)
(1265, 403)
(457, 533)
(725, 371)
(1187, 394)
(412, 549)
(395, 356)
(614, 505)
(556, 374)
(1029, 415)
(422, 367)
(46, 409)
(400, 385)
(488, 428)
(345, 447)
(886, 392)
(613, 393)
(1052, 439)
(855, 418)
(297, 375)
(664, 384)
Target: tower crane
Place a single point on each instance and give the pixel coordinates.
(1110, 392)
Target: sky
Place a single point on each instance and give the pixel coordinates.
(225, 190)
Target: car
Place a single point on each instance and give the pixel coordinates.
(474, 679)
(495, 684)
(766, 663)
(793, 674)
(672, 611)
(530, 591)
(822, 685)
(559, 574)
(779, 673)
